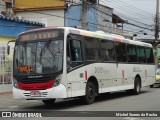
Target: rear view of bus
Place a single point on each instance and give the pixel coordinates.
(37, 66)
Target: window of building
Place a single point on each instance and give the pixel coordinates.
(121, 55)
(132, 53)
(149, 55)
(91, 48)
(107, 50)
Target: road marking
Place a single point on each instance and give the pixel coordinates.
(132, 118)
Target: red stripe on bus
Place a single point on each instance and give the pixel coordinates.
(123, 73)
(86, 75)
(36, 86)
(116, 39)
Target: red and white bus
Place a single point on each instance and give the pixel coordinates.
(63, 62)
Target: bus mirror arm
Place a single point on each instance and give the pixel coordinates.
(8, 46)
(8, 49)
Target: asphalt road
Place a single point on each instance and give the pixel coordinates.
(105, 105)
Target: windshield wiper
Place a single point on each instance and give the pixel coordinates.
(22, 57)
(45, 44)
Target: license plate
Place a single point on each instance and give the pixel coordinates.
(35, 93)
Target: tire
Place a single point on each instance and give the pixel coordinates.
(151, 86)
(137, 87)
(49, 102)
(90, 94)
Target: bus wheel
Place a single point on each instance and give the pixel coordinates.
(137, 86)
(49, 102)
(151, 86)
(90, 93)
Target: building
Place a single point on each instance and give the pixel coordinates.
(49, 12)
(73, 17)
(9, 29)
(68, 13)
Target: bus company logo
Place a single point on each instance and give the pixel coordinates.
(6, 114)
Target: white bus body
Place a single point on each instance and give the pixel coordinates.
(84, 73)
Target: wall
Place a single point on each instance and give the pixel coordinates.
(73, 13)
(6, 38)
(48, 17)
(13, 28)
(38, 3)
(2, 7)
(105, 18)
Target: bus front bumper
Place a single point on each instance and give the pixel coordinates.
(55, 92)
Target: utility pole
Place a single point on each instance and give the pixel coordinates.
(83, 17)
(156, 32)
(157, 22)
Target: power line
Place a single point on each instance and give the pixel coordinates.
(126, 23)
(70, 18)
(133, 7)
(127, 8)
(135, 25)
(118, 6)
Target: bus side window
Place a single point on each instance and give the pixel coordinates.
(75, 50)
(91, 49)
(121, 53)
(68, 53)
(131, 53)
(107, 50)
(141, 54)
(149, 55)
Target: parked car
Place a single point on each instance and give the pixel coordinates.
(157, 78)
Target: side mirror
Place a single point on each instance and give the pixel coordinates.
(8, 46)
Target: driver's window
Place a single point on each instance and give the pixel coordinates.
(74, 51)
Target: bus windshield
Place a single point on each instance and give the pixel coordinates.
(38, 57)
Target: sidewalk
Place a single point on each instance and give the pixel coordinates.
(6, 99)
(7, 102)
(5, 88)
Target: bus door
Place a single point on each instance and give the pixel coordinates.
(75, 69)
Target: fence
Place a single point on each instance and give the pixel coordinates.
(5, 69)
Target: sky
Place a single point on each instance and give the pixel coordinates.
(139, 12)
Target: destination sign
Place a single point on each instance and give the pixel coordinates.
(25, 68)
(39, 35)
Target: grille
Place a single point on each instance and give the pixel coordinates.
(35, 80)
(43, 94)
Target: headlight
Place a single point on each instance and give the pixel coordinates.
(57, 80)
(15, 83)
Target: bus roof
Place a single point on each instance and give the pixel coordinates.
(101, 35)
(108, 36)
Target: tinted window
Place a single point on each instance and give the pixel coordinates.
(121, 52)
(149, 55)
(91, 48)
(141, 54)
(132, 53)
(75, 50)
(107, 50)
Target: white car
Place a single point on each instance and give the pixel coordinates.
(157, 78)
